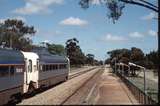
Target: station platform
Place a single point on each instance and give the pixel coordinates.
(112, 91)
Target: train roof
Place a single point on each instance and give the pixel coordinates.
(11, 57)
(46, 57)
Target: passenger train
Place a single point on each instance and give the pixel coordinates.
(24, 72)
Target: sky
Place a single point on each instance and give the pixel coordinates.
(56, 21)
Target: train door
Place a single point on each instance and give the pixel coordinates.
(31, 71)
(32, 74)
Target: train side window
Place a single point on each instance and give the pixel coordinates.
(50, 67)
(53, 67)
(47, 67)
(43, 68)
(12, 70)
(37, 64)
(30, 66)
(56, 66)
(4, 71)
(62, 66)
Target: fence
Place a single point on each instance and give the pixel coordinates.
(138, 93)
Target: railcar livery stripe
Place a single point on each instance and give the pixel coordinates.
(11, 88)
(52, 63)
(11, 64)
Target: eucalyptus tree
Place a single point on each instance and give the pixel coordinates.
(74, 52)
(15, 34)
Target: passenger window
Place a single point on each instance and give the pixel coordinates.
(56, 66)
(50, 67)
(63, 66)
(4, 71)
(43, 68)
(30, 66)
(12, 70)
(47, 67)
(37, 64)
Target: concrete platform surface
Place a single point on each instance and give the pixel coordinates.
(112, 91)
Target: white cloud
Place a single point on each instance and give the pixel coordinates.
(20, 18)
(110, 37)
(46, 41)
(36, 6)
(150, 16)
(73, 21)
(152, 33)
(16, 17)
(136, 35)
(96, 2)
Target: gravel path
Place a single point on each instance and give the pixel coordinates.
(58, 94)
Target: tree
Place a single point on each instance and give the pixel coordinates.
(152, 58)
(15, 34)
(134, 55)
(56, 49)
(90, 59)
(137, 55)
(116, 7)
(74, 52)
(119, 54)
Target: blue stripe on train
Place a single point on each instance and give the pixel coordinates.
(15, 62)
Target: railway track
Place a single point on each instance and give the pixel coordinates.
(86, 85)
(80, 73)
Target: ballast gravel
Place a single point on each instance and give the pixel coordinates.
(58, 94)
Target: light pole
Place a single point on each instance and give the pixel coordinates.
(144, 79)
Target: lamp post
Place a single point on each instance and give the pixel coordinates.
(144, 78)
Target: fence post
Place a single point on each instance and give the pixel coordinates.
(145, 90)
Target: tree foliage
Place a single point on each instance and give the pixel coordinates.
(125, 55)
(115, 7)
(90, 59)
(56, 49)
(74, 52)
(15, 34)
(134, 55)
(152, 59)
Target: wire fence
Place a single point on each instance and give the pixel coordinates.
(144, 90)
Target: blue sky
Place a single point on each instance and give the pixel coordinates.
(59, 20)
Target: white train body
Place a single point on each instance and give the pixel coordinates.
(23, 72)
